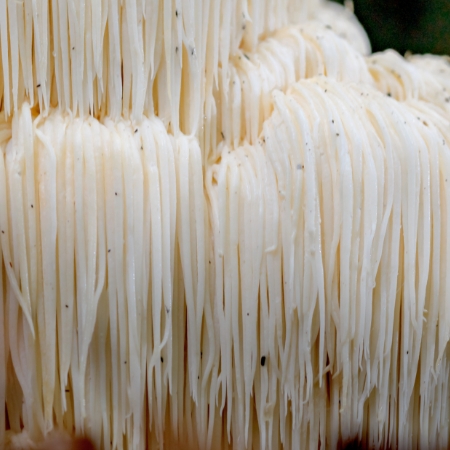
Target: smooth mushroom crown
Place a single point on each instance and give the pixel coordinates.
(223, 224)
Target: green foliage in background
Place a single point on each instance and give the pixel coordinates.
(418, 26)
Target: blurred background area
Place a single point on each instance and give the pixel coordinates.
(418, 26)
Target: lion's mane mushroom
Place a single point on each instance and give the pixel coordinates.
(222, 223)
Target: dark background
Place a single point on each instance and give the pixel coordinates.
(418, 26)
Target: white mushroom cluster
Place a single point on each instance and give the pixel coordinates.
(223, 224)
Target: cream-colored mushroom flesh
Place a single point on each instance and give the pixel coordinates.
(225, 224)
